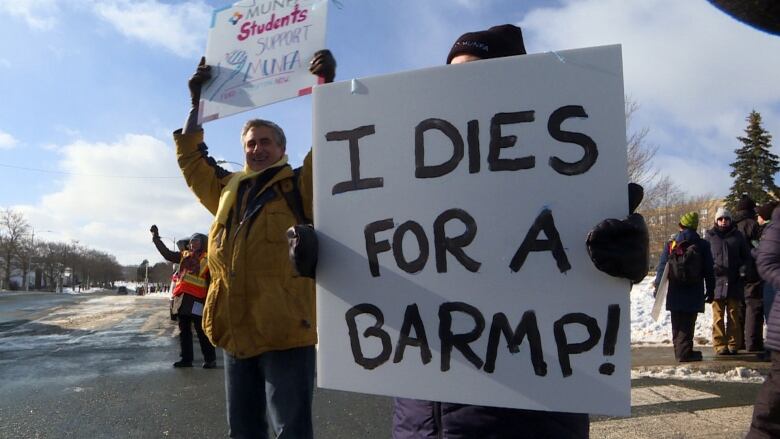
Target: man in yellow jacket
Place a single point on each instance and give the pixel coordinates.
(258, 310)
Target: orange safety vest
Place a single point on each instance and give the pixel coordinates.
(194, 284)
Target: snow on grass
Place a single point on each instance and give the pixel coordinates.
(645, 330)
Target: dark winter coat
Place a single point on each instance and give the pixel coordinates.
(769, 268)
(169, 255)
(688, 298)
(745, 222)
(416, 419)
(730, 255)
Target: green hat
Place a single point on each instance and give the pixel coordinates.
(690, 220)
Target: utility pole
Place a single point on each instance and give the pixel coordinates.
(146, 279)
(29, 264)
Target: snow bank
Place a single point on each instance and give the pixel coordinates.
(738, 374)
(645, 330)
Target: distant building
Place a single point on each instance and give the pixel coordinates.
(663, 223)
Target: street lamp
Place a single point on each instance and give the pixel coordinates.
(32, 248)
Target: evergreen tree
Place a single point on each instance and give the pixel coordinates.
(755, 168)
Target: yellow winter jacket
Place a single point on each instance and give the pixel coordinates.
(255, 303)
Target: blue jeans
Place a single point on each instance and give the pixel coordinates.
(280, 383)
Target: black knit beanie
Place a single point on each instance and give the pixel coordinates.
(496, 42)
(746, 203)
(765, 210)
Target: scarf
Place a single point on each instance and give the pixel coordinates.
(228, 197)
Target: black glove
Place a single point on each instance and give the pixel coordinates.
(303, 247)
(620, 247)
(323, 64)
(201, 76)
(155, 232)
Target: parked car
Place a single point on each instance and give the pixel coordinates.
(121, 290)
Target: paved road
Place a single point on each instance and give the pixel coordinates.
(99, 366)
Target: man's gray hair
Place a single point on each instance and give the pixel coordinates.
(279, 136)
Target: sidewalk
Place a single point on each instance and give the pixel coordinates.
(648, 357)
(685, 408)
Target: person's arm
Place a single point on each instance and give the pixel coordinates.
(709, 273)
(659, 271)
(195, 84)
(168, 255)
(769, 253)
(323, 64)
(745, 258)
(201, 172)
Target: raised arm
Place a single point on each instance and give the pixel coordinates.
(168, 255)
(322, 64)
(201, 172)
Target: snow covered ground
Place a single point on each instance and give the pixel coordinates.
(646, 331)
(738, 374)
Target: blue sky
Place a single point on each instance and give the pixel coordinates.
(92, 90)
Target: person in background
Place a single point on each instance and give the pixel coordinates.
(768, 292)
(766, 411)
(686, 299)
(167, 254)
(730, 255)
(170, 256)
(617, 247)
(191, 290)
(258, 310)
(752, 310)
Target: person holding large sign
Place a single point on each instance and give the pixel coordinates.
(257, 310)
(617, 247)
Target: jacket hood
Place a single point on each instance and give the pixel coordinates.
(204, 240)
(687, 235)
(742, 215)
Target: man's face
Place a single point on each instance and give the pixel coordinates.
(724, 221)
(261, 149)
(195, 245)
(463, 58)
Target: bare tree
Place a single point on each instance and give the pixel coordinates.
(53, 257)
(96, 267)
(25, 254)
(161, 272)
(663, 209)
(13, 228)
(640, 153)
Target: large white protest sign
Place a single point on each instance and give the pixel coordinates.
(259, 51)
(452, 206)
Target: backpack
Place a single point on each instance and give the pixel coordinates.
(301, 238)
(686, 264)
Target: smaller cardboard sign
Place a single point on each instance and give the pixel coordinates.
(260, 52)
